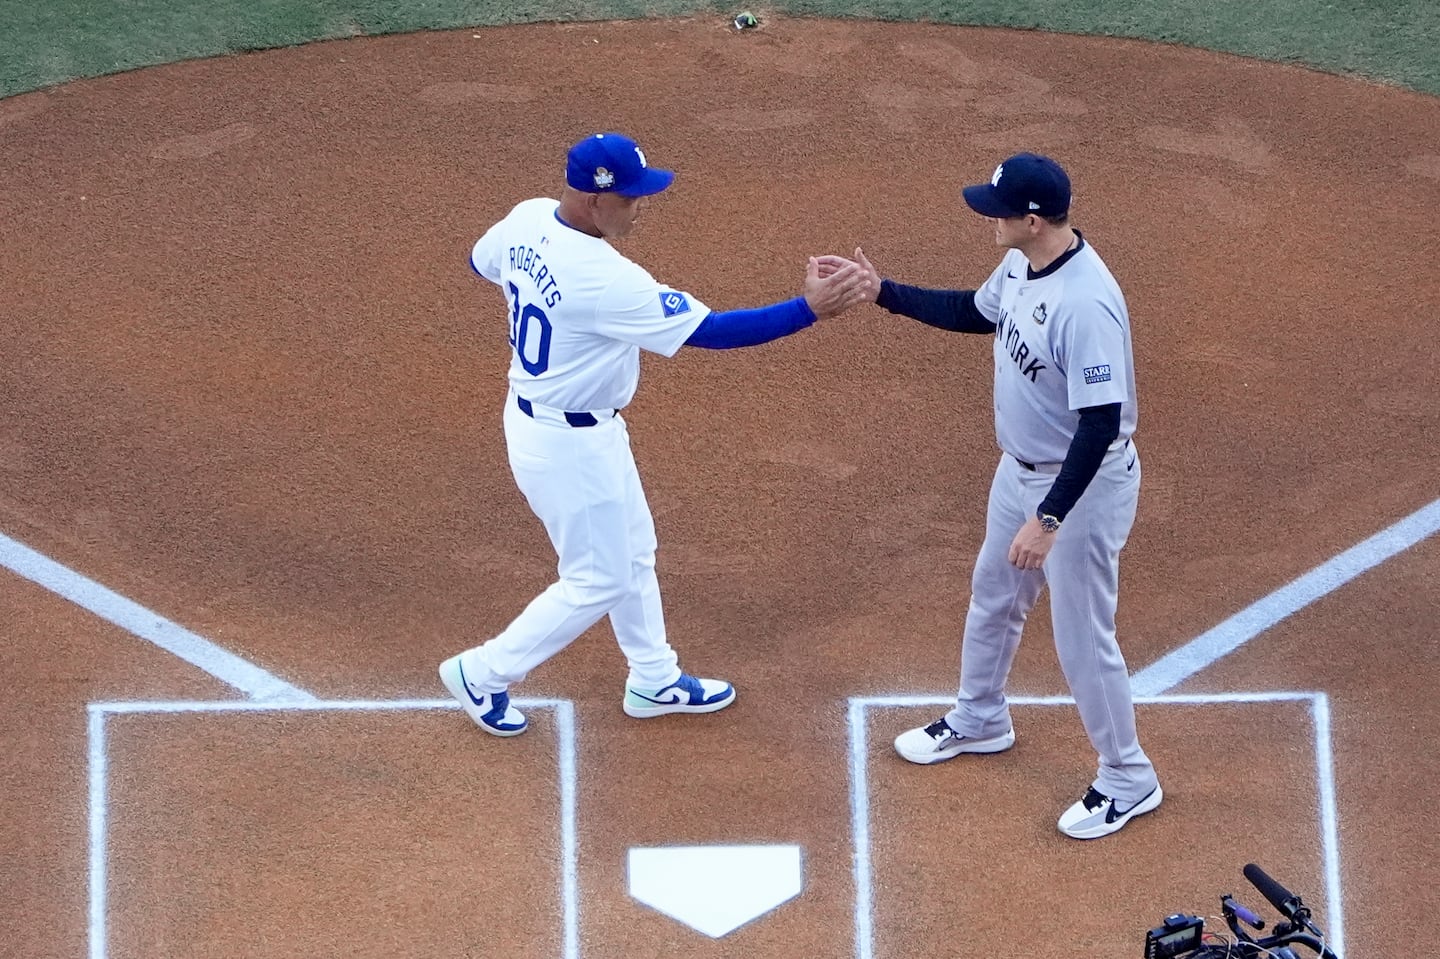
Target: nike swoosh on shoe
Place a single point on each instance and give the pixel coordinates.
(676, 696)
(1115, 812)
(465, 685)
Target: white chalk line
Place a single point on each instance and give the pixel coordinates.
(99, 817)
(135, 619)
(1329, 822)
(99, 827)
(860, 832)
(1180, 664)
(863, 871)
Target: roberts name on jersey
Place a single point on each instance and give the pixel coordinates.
(524, 259)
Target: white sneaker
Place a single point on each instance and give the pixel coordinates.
(492, 712)
(687, 694)
(1096, 814)
(937, 742)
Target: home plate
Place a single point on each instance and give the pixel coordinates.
(714, 889)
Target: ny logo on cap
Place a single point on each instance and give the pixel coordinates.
(995, 181)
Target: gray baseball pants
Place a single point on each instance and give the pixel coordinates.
(1082, 571)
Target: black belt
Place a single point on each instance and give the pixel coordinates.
(1032, 467)
(574, 419)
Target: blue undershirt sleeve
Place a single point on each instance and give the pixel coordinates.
(735, 328)
(1099, 427)
(952, 310)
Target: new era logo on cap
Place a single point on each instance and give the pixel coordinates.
(1025, 183)
(613, 163)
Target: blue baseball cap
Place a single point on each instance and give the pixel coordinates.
(1024, 184)
(613, 163)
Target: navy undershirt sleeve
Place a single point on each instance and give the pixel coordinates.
(952, 310)
(733, 328)
(1099, 427)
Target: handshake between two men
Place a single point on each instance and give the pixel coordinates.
(833, 284)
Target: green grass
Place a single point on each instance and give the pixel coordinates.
(44, 42)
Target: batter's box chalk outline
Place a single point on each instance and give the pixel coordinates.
(858, 718)
(99, 813)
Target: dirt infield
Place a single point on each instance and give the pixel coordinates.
(250, 383)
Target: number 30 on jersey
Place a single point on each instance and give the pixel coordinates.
(529, 333)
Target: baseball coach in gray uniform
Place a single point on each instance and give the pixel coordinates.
(1063, 498)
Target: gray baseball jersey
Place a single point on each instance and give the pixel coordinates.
(1051, 362)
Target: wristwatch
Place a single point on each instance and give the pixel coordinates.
(1048, 522)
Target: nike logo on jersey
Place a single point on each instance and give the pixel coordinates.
(1020, 351)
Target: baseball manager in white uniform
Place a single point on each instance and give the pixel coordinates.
(578, 314)
(1064, 495)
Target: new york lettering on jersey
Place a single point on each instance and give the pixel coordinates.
(1034, 412)
(1011, 342)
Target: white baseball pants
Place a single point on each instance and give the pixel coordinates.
(1082, 570)
(583, 485)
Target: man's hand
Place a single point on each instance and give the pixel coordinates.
(834, 284)
(1031, 545)
(830, 263)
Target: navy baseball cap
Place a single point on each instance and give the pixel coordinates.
(613, 163)
(1026, 183)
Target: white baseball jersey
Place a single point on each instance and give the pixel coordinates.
(580, 312)
(1062, 343)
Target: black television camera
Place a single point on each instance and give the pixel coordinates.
(1182, 936)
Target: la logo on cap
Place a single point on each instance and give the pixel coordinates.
(612, 161)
